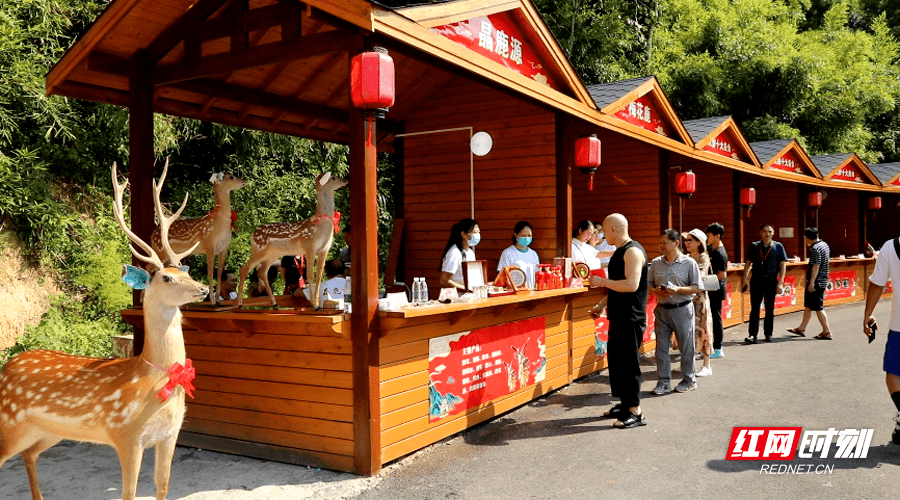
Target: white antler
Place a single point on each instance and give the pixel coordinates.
(166, 222)
(118, 210)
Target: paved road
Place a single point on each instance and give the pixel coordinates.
(557, 447)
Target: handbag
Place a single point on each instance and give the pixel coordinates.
(710, 283)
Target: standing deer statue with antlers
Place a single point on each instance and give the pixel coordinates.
(130, 404)
(212, 231)
(311, 237)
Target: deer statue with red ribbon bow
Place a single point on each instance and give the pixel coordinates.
(212, 231)
(311, 237)
(130, 404)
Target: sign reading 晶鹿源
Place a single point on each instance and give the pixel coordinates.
(722, 145)
(499, 37)
(847, 173)
(643, 113)
(472, 368)
(788, 162)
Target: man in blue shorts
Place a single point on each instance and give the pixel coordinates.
(887, 267)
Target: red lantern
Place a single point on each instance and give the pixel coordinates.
(748, 197)
(875, 203)
(686, 183)
(372, 79)
(815, 199)
(587, 156)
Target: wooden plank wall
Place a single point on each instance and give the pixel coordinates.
(776, 204)
(515, 181)
(405, 425)
(583, 344)
(712, 202)
(627, 182)
(286, 387)
(839, 222)
(882, 225)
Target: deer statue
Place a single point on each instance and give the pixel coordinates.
(212, 231)
(130, 404)
(311, 237)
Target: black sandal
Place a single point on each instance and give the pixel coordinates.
(616, 411)
(632, 421)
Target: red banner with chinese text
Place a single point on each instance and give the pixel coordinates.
(472, 368)
(499, 38)
(642, 113)
(847, 173)
(723, 145)
(841, 285)
(788, 163)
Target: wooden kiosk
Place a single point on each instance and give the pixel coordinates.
(353, 392)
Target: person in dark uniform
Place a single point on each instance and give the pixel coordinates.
(764, 276)
(627, 314)
(719, 259)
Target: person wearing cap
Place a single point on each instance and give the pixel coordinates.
(695, 245)
(674, 278)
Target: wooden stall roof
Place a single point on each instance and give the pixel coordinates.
(282, 66)
(770, 152)
(888, 174)
(845, 167)
(704, 131)
(614, 96)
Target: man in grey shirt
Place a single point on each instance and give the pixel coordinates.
(674, 278)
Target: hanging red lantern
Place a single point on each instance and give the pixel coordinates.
(587, 156)
(748, 197)
(686, 183)
(815, 199)
(875, 203)
(372, 79)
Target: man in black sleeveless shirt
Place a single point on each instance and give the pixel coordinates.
(627, 314)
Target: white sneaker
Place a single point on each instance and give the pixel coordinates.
(704, 371)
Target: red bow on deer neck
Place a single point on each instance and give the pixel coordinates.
(178, 375)
(336, 219)
(233, 216)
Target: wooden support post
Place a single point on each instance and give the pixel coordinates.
(364, 272)
(801, 216)
(140, 168)
(565, 146)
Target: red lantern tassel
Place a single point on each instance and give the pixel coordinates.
(591, 183)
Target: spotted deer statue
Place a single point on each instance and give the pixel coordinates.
(130, 404)
(311, 237)
(212, 231)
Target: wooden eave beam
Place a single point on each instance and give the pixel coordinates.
(253, 57)
(253, 97)
(72, 59)
(175, 33)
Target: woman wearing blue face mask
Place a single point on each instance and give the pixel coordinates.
(464, 235)
(520, 254)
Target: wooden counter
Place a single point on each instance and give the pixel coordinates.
(270, 384)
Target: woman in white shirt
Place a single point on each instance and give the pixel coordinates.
(464, 235)
(519, 254)
(581, 250)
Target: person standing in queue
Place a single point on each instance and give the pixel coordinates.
(520, 254)
(627, 315)
(764, 274)
(581, 250)
(464, 235)
(695, 247)
(718, 258)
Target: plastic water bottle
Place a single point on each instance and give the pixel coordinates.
(348, 296)
(423, 290)
(417, 291)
